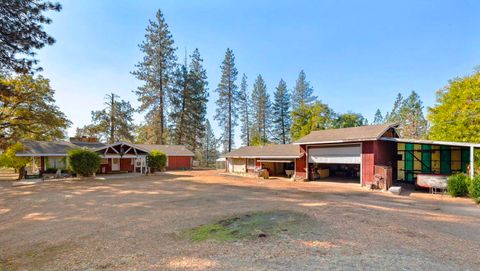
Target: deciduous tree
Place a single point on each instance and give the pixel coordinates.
(28, 110)
(308, 118)
(349, 120)
(456, 114)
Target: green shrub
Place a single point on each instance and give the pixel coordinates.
(156, 160)
(474, 189)
(458, 185)
(84, 162)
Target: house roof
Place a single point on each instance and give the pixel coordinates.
(46, 148)
(90, 145)
(61, 148)
(268, 151)
(169, 150)
(360, 133)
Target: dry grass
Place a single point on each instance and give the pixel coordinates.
(137, 224)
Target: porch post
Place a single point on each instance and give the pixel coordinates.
(472, 171)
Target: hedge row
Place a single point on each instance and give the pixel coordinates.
(460, 185)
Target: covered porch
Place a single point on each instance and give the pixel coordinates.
(122, 157)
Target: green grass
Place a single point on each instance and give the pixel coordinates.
(247, 226)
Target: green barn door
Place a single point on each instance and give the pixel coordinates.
(426, 158)
(445, 160)
(409, 162)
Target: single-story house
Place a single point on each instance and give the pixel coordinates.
(354, 153)
(116, 157)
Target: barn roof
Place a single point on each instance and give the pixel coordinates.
(169, 150)
(268, 151)
(352, 134)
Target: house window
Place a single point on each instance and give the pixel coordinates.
(251, 163)
(56, 162)
(104, 161)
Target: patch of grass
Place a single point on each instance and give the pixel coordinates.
(248, 226)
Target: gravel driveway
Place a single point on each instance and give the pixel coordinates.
(134, 224)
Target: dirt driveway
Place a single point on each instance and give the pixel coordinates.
(133, 224)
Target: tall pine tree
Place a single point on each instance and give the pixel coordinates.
(155, 71)
(244, 110)
(198, 101)
(226, 113)
(188, 99)
(303, 92)
(378, 118)
(261, 110)
(113, 123)
(180, 95)
(209, 147)
(413, 123)
(282, 121)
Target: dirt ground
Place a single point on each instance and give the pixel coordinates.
(134, 224)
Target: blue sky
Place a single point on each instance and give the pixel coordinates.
(357, 54)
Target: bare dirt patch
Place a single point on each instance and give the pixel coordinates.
(134, 224)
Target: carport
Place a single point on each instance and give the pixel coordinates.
(279, 160)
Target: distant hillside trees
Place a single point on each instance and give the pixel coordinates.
(281, 115)
(227, 102)
(113, 123)
(22, 31)
(261, 108)
(155, 70)
(244, 109)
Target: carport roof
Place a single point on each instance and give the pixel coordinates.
(360, 133)
(267, 151)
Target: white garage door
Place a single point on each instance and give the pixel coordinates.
(351, 154)
(238, 166)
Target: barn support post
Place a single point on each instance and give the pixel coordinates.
(472, 170)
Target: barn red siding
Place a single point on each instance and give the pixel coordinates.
(126, 164)
(368, 162)
(301, 163)
(179, 162)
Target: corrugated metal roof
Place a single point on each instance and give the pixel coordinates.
(268, 151)
(360, 133)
